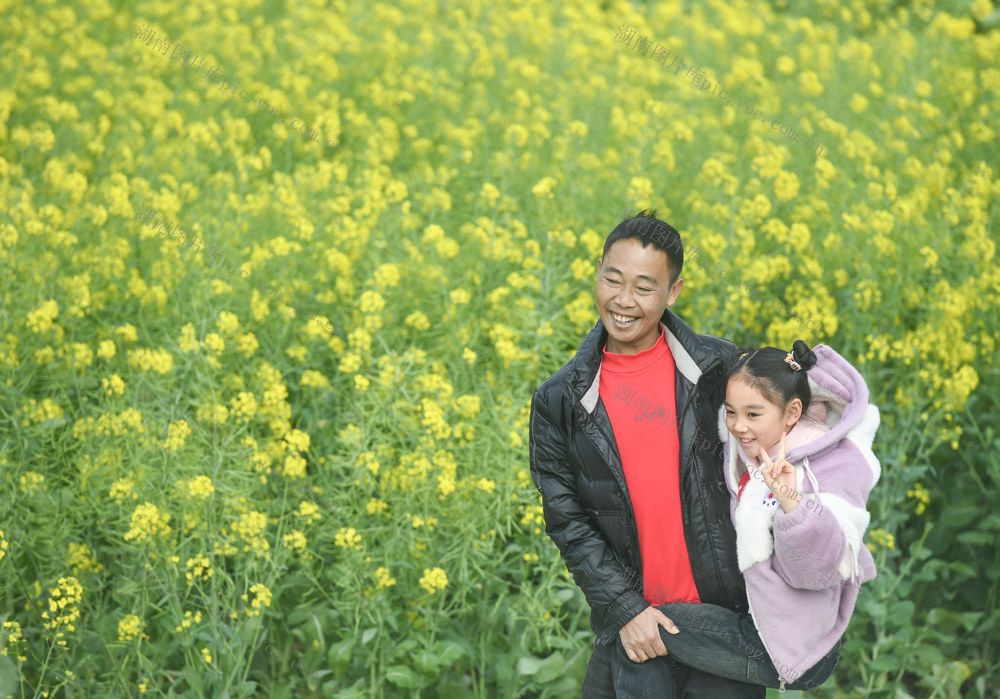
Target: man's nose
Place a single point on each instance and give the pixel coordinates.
(624, 297)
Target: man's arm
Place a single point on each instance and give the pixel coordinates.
(584, 548)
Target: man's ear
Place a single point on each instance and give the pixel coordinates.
(675, 291)
(600, 261)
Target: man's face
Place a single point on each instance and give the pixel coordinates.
(633, 289)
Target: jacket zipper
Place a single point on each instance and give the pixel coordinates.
(781, 680)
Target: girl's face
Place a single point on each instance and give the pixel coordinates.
(755, 421)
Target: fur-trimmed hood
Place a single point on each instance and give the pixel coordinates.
(804, 569)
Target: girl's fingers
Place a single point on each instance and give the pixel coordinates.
(781, 449)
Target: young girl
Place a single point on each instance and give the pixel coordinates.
(799, 468)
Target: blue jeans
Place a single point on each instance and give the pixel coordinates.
(715, 640)
(679, 682)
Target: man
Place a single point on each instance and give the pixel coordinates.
(631, 487)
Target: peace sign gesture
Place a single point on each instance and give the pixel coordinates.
(779, 475)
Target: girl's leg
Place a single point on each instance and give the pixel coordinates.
(722, 642)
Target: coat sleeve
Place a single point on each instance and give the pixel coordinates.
(817, 545)
(586, 551)
(808, 547)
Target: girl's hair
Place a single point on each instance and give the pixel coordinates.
(768, 370)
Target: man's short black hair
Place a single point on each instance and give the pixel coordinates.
(650, 230)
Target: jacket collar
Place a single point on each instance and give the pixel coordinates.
(691, 358)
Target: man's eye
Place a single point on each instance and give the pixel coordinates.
(644, 290)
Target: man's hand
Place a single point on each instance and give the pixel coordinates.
(641, 636)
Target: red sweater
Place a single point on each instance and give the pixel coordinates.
(638, 393)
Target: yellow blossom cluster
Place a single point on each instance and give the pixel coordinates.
(261, 598)
(63, 610)
(148, 522)
(199, 569)
(251, 527)
(453, 245)
(130, 627)
(197, 488)
(348, 538)
(81, 559)
(433, 580)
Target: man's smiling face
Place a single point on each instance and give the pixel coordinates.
(633, 289)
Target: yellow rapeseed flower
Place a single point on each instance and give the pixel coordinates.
(252, 527)
(32, 481)
(177, 434)
(261, 598)
(62, 608)
(148, 521)
(130, 627)
(880, 537)
(81, 559)
(121, 489)
(197, 488)
(295, 540)
(922, 495)
(41, 319)
(433, 580)
(113, 385)
(309, 511)
(199, 569)
(383, 578)
(347, 538)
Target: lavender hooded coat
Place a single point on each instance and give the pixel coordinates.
(803, 570)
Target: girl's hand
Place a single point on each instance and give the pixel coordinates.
(780, 478)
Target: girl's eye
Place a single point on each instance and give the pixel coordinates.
(730, 412)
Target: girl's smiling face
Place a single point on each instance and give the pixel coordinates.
(754, 420)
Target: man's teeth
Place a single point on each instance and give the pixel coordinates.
(624, 320)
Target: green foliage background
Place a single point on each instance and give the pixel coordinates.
(451, 240)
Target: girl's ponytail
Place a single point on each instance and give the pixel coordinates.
(805, 357)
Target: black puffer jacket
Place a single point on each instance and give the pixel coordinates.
(588, 513)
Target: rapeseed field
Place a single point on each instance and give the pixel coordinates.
(205, 493)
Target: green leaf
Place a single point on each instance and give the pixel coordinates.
(528, 665)
(563, 596)
(402, 676)
(404, 648)
(963, 569)
(902, 610)
(448, 652)
(946, 620)
(8, 676)
(367, 635)
(340, 653)
(551, 668)
(927, 656)
(884, 663)
(427, 662)
(976, 538)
